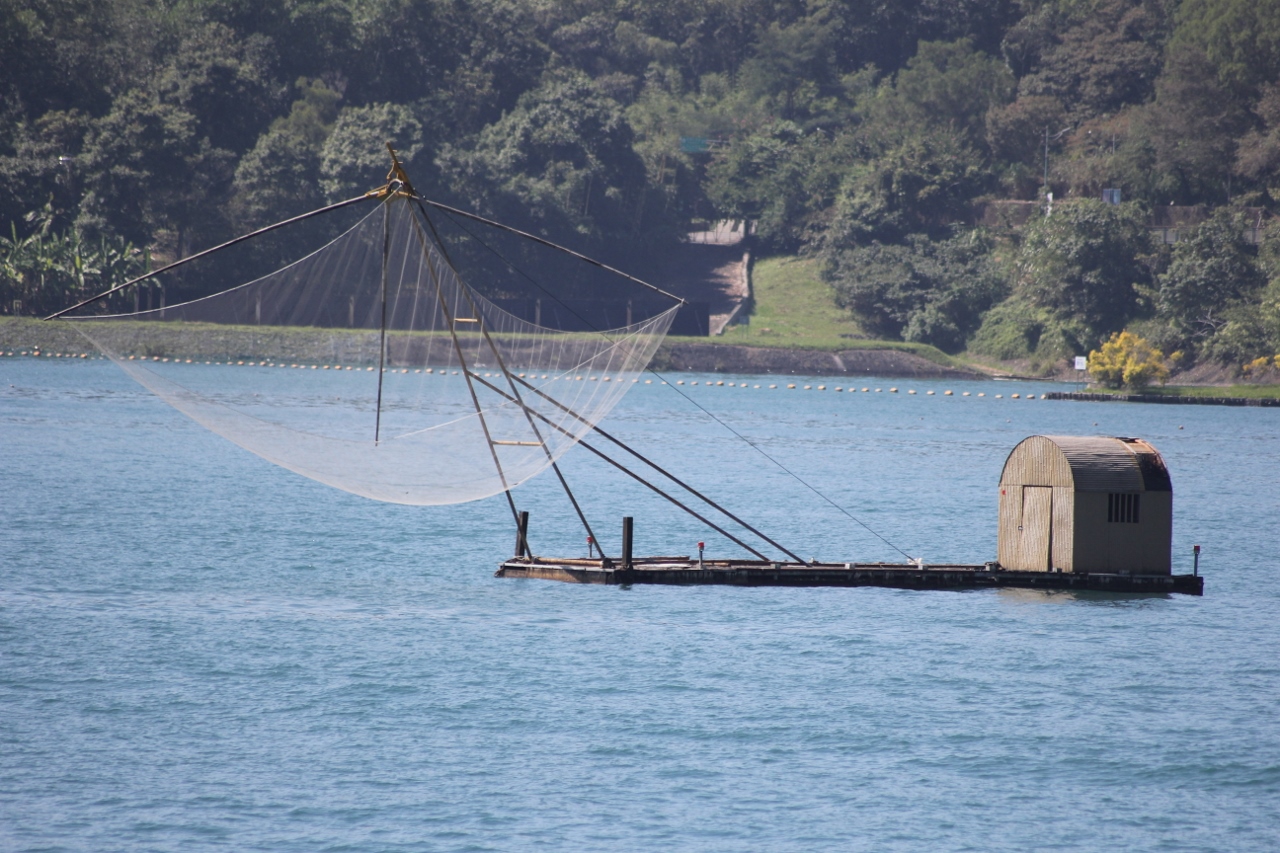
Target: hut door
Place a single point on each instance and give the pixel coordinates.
(1037, 527)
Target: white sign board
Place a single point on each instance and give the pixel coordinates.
(1082, 363)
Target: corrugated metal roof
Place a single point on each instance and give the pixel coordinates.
(1106, 464)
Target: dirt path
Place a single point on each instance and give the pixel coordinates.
(712, 268)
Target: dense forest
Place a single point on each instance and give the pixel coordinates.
(862, 132)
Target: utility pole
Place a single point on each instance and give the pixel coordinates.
(1055, 137)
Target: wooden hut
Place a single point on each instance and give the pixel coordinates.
(1085, 504)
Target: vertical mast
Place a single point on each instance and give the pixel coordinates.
(382, 323)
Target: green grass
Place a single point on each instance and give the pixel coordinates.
(1268, 392)
(796, 309)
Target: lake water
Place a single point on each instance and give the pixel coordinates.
(200, 651)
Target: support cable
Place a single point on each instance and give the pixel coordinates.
(695, 403)
(475, 311)
(792, 474)
(455, 211)
(624, 469)
(655, 466)
(330, 208)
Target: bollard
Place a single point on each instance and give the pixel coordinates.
(522, 535)
(626, 541)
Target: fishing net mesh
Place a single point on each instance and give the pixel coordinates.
(369, 365)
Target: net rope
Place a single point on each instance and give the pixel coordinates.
(349, 366)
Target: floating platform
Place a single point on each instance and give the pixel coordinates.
(688, 572)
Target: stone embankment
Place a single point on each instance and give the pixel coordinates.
(361, 347)
(1164, 398)
(727, 358)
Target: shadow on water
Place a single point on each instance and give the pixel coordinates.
(1083, 596)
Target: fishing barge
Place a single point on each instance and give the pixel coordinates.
(687, 571)
(1075, 513)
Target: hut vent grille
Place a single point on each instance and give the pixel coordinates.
(1123, 508)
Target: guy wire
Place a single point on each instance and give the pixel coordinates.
(675, 388)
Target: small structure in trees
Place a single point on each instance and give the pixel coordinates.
(1085, 504)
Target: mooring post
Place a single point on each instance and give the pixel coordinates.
(626, 541)
(1195, 567)
(522, 534)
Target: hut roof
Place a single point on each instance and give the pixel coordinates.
(1087, 464)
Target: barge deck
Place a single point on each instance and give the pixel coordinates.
(688, 572)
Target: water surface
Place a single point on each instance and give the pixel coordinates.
(201, 651)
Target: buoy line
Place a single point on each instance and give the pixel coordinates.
(707, 383)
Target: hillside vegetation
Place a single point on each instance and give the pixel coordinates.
(858, 135)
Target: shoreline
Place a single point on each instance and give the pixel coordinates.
(676, 356)
(355, 346)
(1171, 399)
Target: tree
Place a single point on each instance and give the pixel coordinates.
(886, 34)
(1089, 262)
(42, 168)
(1095, 58)
(946, 85)
(222, 80)
(1239, 39)
(354, 157)
(933, 292)
(145, 170)
(920, 185)
(562, 162)
(1258, 154)
(1193, 126)
(1127, 360)
(48, 270)
(780, 177)
(472, 60)
(1210, 272)
(791, 69)
(280, 176)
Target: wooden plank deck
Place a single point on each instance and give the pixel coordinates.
(688, 572)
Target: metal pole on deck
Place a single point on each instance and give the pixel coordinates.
(1195, 568)
(522, 534)
(626, 541)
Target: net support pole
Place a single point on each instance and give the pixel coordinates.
(466, 372)
(515, 391)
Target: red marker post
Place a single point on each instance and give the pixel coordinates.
(701, 545)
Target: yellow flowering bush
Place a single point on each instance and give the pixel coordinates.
(1127, 360)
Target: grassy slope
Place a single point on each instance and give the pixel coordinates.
(794, 309)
